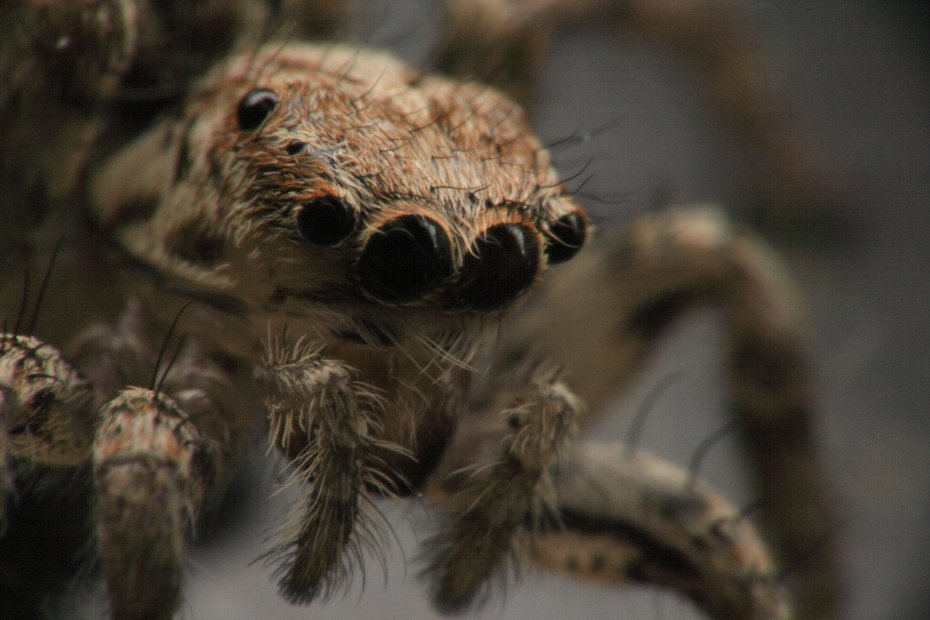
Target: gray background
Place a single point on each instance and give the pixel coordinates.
(857, 72)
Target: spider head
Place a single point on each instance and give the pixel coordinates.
(307, 177)
(431, 193)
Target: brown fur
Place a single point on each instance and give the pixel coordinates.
(474, 408)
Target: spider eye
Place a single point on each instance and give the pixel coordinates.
(566, 236)
(293, 147)
(405, 259)
(255, 107)
(325, 221)
(503, 263)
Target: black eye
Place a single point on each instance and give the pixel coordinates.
(325, 220)
(567, 235)
(502, 264)
(255, 107)
(406, 259)
(294, 147)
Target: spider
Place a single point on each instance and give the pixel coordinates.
(378, 269)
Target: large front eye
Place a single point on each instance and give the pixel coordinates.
(405, 259)
(502, 264)
(255, 107)
(326, 220)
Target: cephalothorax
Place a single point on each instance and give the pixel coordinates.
(326, 242)
(363, 223)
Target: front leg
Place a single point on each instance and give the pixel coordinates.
(46, 412)
(504, 495)
(151, 470)
(154, 452)
(325, 420)
(46, 432)
(158, 452)
(46, 406)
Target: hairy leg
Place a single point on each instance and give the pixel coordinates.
(151, 469)
(324, 419)
(629, 517)
(157, 451)
(604, 313)
(498, 499)
(46, 409)
(601, 512)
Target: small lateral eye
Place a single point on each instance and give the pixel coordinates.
(293, 147)
(255, 107)
(325, 221)
(566, 236)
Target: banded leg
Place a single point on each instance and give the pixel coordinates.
(150, 466)
(632, 286)
(46, 409)
(632, 518)
(157, 452)
(622, 518)
(323, 418)
(46, 431)
(151, 470)
(502, 497)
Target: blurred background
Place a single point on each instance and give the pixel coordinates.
(856, 76)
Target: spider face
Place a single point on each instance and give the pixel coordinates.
(328, 177)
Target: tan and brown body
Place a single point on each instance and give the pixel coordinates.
(362, 263)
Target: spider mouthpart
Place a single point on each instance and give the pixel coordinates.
(501, 265)
(255, 107)
(405, 259)
(325, 221)
(567, 236)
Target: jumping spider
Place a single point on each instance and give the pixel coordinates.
(330, 248)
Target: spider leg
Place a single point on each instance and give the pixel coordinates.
(629, 517)
(151, 469)
(46, 409)
(150, 464)
(603, 512)
(157, 453)
(503, 495)
(46, 432)
(323, 418)
(603, 314)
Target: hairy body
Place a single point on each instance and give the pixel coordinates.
(323, 246)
